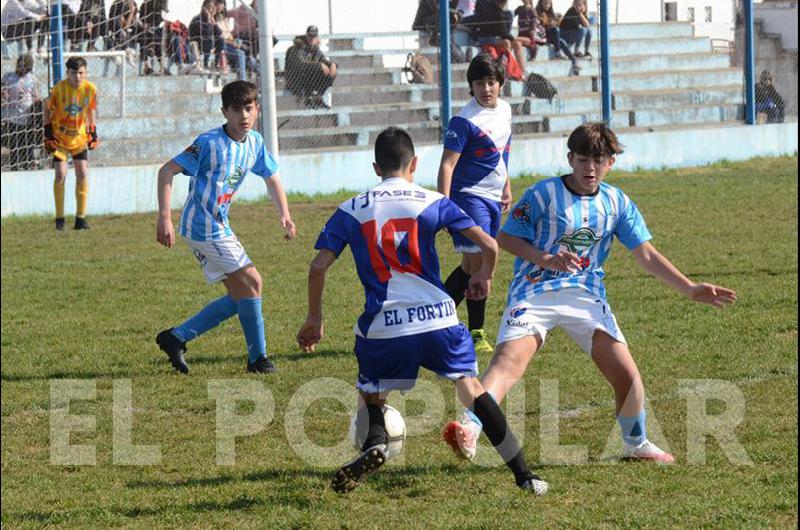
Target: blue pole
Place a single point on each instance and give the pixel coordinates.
(444, 64)
(605, 62)
(749, 65)
(57, 42)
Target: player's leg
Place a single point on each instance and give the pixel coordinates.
(244, 286)
(59, 182)
(81, 162)
(615, 362)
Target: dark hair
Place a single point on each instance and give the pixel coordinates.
(239, 93)
(540, 9)
(594, 139)
(75, 63)
(393, 149)
(484, 65)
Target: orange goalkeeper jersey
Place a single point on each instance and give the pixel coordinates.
(68, 113)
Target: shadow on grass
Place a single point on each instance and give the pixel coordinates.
(302, 356)
(13, 378)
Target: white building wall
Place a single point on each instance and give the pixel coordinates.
(780, 18)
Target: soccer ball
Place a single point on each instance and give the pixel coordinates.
(395, 429)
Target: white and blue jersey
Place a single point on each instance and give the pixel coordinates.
(483, 137)
(217, 165)
(391, 230)
(552, 218)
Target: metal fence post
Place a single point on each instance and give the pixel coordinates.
(57, 42)
(269, 108)
(605, 62)
(444, 63)
(749, 64)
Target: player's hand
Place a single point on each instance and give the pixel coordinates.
(715, 295)
(289, 227)
(165, 232)
(94, 142)
(562, 261)
(478, 287)
(310, 335)
(506, 200)
(50, 142)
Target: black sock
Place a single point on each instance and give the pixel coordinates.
(497, 430)
(476, 311)
(456, 284)
(376, 433)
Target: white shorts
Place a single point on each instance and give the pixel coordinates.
(219, 258)
(576, 311)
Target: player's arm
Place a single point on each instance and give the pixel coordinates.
(165, 232)
(507, 198)
(91, 128)
(480, 282)
(659, 266)
(562, 261)
(446, 168)
(278, 196)
(311, 331)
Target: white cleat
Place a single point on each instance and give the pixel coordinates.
(535, 485)
(646, 450)
(462, 436)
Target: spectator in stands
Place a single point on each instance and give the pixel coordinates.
(92, 23)
(21, 18)
(20, 93)
(768, 100)
(550, 20)
(493, 27)
(575, 28)
(203, 29)
(123, 27)
(426, 20)
(70, 21)
(232, 50)
(308, 72)
(245, 26)
(531, 32)
(466, 8)
(151, 33)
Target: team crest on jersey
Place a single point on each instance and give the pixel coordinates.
(522, 213)
(72, 109)
(578, 240)
(236, 175)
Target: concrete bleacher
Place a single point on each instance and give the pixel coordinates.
(663, 76)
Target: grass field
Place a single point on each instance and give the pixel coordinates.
(86, 305)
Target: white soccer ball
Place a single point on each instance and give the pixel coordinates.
(395, 429)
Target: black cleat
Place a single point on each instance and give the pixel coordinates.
(174, 349)
(350, 474)
(534, 484)
(262, 366)
(81, 224)
(60, 224)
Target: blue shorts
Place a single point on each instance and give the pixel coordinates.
(393, 364)
(485, 212)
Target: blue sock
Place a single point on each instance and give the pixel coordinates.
(253, 326)
(209, 317)
(634, 430)
(474, 417)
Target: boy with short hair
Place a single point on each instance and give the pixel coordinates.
(561, 233)
(217, 163)
(473, 173)
(408, 320)
(70, 129)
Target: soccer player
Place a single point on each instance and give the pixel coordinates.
(473, 173)
(217, 163)
(408, 320)
(561, 233)
(70, 129)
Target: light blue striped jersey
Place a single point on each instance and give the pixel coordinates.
(552, 218)
(217, 165)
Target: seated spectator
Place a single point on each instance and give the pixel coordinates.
(229, 49)
(550, 20)
(92, 23)
(492, 23)
(575, 28)
(70, 21)
(151, 32)
(123, 27)
(531, 32)
(20, 92)
(182, 52)
(768, 100)
(245, 26)
(21, 18)
(308, 72)
(203, 29)
(426, 22)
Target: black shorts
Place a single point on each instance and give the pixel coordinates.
(83, 155)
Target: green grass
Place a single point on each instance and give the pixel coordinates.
(87, 306)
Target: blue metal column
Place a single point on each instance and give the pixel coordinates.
(749, 64)
(57, 42)
(444, 64)
(605, 63)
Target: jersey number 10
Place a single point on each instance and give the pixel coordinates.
(383, 260)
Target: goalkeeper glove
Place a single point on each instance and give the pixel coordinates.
(93, 140)
(50, 142)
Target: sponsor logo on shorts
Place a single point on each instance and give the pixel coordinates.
(517, 311)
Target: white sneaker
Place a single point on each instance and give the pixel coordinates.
(462, 436)
(646, 450)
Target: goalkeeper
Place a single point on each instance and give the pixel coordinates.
(70, 130)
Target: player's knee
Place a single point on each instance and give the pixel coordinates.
(255, 283)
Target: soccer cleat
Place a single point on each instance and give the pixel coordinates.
(262, 366)
(534, 484)
(81, 224)
(174, 349)
(482, 346)
(350, 474)
(646, 450)
(60, 224)
(462, 436)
